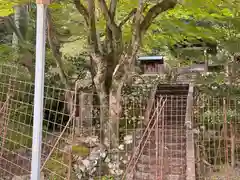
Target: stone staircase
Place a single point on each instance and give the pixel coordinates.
(164, 155)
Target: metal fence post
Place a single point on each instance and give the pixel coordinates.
(39, 88)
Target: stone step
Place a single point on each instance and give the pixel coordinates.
(177, 153)
(180, 161)
(169, 142)
(151, 160)
(173, 120)
(151, 150)
(171, 114)
(166, 129)
(174, 139)
(173, 105)
(169, 126)
(170, 103)
(174, 125)
(161, 161)
(150, 168)
(173, 102)
(180, 145)
(148, 176)
(177, 169)
(166, 93)
(176, 177)
(154, 142)
(164, 132)
(151, 154)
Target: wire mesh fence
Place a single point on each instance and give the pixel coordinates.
(152, 139)
(217, 137)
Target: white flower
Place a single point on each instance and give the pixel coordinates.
(121, 147)
(128, 139)
(86, 162)
(106, 142)
(91, 139)
(119, 172)
(110, 165)
(107, 160)
(103, 154)
(124, 161)
(112, 171)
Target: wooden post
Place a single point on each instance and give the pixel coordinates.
(45, 2)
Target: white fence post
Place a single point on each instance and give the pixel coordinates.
(39, 88)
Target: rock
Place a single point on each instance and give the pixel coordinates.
(224, 172)
(85, 168)
(27, 177)
(7, 178)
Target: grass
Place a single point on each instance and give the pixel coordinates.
(55, 164)
(19, 129)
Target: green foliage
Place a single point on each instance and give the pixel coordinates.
(55, 164)
(80, 150)
(107, 178)
(217, 116)
(6, 53)
(7, 6)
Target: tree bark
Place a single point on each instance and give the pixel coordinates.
(115, 111)
(55, 48)
(19, 26)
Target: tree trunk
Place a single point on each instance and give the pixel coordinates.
(109, 93)
(15, 41)
(115, 110)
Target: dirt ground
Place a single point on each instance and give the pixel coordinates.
(225, 173)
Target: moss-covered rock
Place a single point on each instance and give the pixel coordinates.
(80, 150)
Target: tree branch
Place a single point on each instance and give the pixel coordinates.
(55, 47)
(93, 40)
(10, 23)
(153, 12)
(82, 10)
(131, 14)
(109, 19)
(109, 34)
(113, 7)
(136, 31)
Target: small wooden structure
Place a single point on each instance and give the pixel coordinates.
(152, 64)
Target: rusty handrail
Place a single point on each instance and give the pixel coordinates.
(142, 139)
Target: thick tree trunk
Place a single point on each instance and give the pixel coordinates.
(102, 87)
(108, 130)
(115, 110)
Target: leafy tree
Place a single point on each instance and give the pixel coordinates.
(111, 53)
